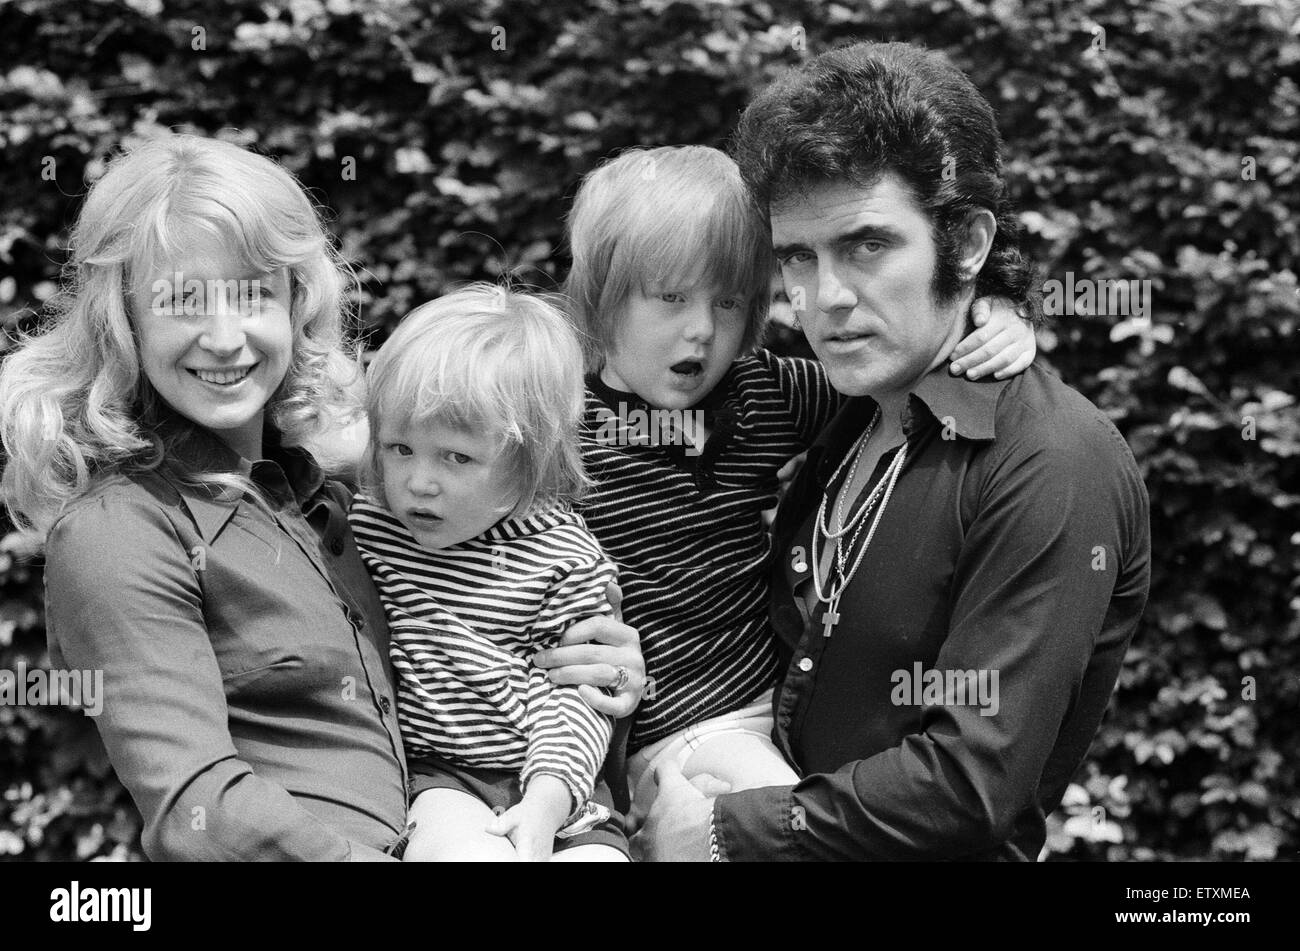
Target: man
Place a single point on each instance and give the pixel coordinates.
(960, 566)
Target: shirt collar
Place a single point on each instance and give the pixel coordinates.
(717, 401)
(284, 473)
(505, 529)
(969, 406)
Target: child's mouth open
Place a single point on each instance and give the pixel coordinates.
(688, 371)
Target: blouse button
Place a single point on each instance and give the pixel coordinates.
(336, 546)
(805, 664)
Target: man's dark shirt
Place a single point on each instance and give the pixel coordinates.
(1016, 542)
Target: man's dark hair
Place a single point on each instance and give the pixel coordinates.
(856, 113)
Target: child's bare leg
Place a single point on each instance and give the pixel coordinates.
(745, 760)
(590, 853)
(450, 827)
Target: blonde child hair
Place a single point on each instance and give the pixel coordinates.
(487, 358)
(670, 214)
(74, 403)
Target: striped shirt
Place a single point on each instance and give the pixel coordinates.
(464, 622)
(687, 532)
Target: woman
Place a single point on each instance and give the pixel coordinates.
(195, 553)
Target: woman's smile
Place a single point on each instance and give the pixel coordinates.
(224, 379)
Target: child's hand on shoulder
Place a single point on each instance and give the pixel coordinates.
(1002, 344)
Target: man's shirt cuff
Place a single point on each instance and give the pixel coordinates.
(757, 825)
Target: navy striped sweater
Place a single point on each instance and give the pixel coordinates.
(687, 532)
(464, 622)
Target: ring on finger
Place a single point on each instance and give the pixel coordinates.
(620, 679)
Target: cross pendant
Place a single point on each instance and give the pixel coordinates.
(829, 620)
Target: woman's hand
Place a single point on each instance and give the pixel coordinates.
(1003, 343)
(593, 653)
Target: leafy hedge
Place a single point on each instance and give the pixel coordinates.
(1145, 141)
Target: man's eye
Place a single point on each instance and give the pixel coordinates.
(400, 448)
(871, 247)
(795, 258)
(459, 458)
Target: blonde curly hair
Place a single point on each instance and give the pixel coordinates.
(487, 358)
(74, 403)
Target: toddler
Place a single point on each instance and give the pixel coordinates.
(465, 526)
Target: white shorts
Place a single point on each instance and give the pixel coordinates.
(754, 723)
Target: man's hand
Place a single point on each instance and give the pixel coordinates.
(677, 828)
(707, 784)
(1003, 342)
(531, 825)
(591, 653)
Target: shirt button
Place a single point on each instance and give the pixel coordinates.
(386, 705)
(336, 546)
(805, 664)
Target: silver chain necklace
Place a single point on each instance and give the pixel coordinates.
(831, 598)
